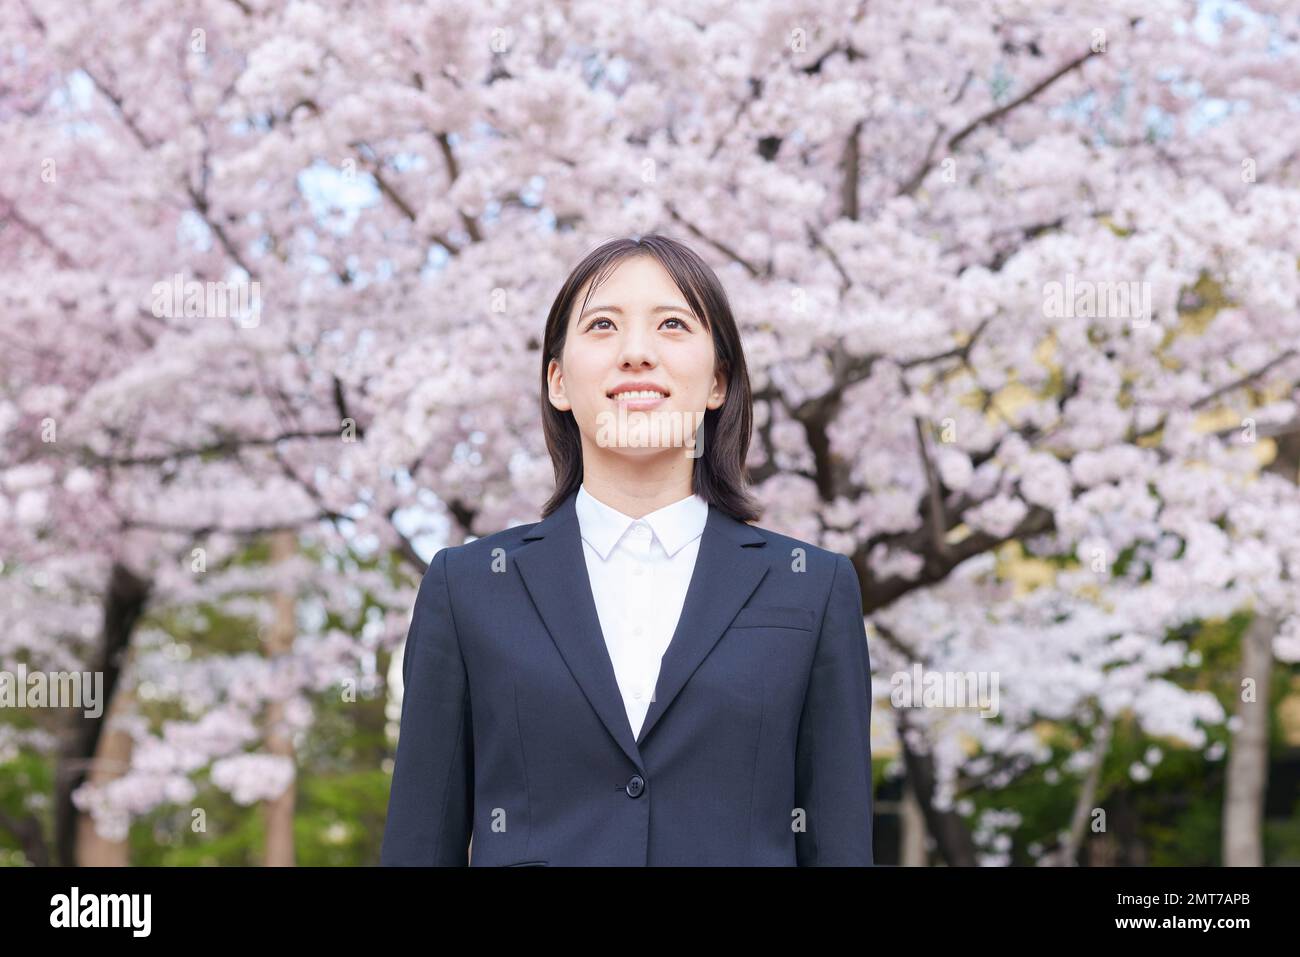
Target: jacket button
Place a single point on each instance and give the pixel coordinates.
(635, 786)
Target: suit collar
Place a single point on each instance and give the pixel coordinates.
(675, 525)
(736, 531)
(730, 564)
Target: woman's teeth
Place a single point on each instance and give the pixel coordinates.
(644, 394)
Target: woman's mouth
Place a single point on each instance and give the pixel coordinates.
(638, 399)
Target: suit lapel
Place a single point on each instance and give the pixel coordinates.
(728, 568)
(730, 564)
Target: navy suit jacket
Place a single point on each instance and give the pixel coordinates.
(756, 749)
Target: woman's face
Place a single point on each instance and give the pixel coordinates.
(637, 328)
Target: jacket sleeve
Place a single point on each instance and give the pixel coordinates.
(430, 805)
(833, 757)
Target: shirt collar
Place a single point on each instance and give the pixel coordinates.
(674, 525)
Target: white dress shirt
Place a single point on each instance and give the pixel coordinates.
(639, 571)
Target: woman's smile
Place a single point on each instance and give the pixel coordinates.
(640, 402)
(642, 399)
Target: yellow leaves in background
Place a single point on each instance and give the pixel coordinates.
(1288, 714)
(1025, 572)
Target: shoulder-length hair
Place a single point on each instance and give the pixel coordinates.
(720, 475)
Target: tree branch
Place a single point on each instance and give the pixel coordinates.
(992, 116)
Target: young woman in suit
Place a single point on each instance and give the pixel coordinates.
(644, 677)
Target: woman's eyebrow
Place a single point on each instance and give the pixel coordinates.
(619, 310)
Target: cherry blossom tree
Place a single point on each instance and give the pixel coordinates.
(1017, 285)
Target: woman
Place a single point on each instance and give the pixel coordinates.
(641, 678)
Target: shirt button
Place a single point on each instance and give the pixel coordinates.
(637, 570)
(636, 630)
(637, 695)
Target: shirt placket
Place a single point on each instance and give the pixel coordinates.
(640, 606)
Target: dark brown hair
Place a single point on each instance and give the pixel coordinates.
(719, 475)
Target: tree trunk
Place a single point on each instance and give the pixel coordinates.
(279, 641)
(911, 826)
(1247, 777)
(951, 835)
(30, 836)
(124, 603)
(112, 758)
(1243, 800)
(1068, 853)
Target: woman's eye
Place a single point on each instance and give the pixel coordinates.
(680, 322)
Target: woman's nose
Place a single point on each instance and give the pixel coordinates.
(636, 350)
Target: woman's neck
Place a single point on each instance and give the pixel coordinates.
(637, 487)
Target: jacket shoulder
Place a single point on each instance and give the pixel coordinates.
(788, 545)
(485, 549)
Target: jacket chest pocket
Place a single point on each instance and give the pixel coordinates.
(774, 616)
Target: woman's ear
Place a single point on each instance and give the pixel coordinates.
(555, 386)
(718, 394)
